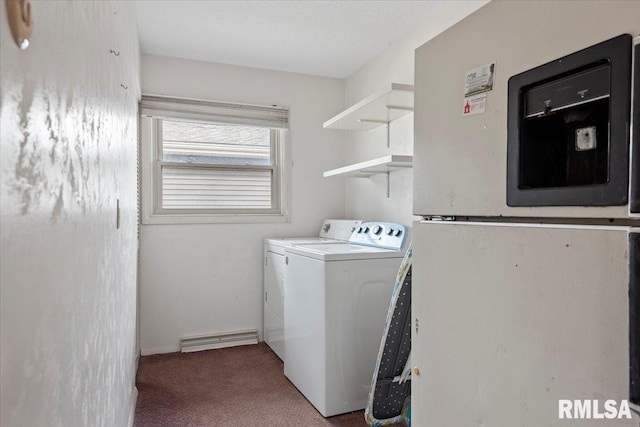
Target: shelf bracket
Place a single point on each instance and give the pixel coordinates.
(399, 107)
(394, 107)
(388, 185)
(382, 122)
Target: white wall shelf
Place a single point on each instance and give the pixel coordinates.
(384, 164)
(381, 165)
(381, 108)
(376, 110)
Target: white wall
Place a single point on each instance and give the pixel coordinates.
(366, 198)
(67, 275)
(206, 278)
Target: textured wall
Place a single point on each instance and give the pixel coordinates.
(68, 276)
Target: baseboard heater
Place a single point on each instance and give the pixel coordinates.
(221, 340)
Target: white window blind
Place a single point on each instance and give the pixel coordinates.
(273, 117)
(215, 158)
(187, 188)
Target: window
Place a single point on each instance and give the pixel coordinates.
(212, 162)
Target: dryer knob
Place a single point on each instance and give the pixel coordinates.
(377, 230)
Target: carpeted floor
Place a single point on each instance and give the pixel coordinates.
(239, 386)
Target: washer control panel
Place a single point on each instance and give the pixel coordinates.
(339, 229)
(386, 235)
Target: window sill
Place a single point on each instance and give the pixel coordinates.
(214, 219)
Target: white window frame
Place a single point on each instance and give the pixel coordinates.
(151, 165)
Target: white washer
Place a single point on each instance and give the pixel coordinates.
(337, 297)
(332, 231)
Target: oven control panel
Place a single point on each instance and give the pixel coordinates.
(386, 235)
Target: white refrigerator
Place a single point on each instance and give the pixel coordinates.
(527, 260)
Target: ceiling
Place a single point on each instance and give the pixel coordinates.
(326, 38)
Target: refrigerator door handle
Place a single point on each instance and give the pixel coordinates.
(634, 184)
(634, 319)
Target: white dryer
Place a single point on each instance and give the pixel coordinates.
(332, 231)
(337, 298)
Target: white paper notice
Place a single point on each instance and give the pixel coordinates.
(479, 80)
(474, 105)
